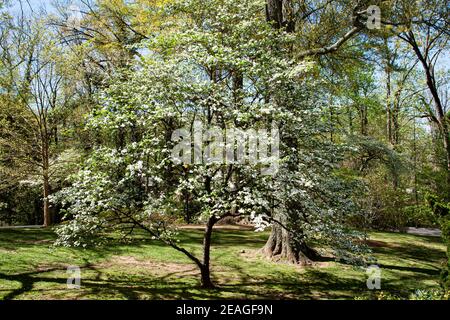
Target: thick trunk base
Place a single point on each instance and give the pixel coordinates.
(206, 282)
(281, 247)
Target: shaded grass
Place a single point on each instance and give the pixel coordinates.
(31, 268)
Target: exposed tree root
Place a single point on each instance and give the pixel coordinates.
(282, 247)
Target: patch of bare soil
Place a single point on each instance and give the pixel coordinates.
(320, 264)
(8, 251)
(378, 244)
(42, 241)
(153, 266)
(429, 232)
(20, 227)
(43, 268)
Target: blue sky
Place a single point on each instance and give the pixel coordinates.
(36, 4)
(443, 63)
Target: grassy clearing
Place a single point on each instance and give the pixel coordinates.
(31, 268)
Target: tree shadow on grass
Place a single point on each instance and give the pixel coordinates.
(12, 239)
(412, 252)
(185, 285)
(313, 283)
(27, 281)
(429, 271)
(132, 288)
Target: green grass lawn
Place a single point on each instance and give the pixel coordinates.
(31, 268)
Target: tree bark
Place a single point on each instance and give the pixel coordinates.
(388, 104)
(350, 120)
(363, 119)
(274, 12)
(279, 12)
(205, 267)
(281, 246)
(47, 215)
(395, 120)
(46, 179)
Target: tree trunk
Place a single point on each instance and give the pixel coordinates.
(363, 120)
(350, 120)
(205, 267)
(395, 133)
(282, 247)
(388, 104)
(238, 85)
(47, 215)
(206, 278)
(395, 120)
(46, 181)
(388, 66)
(280, 13)
(274, 12)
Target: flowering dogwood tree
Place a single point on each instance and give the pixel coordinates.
(222, 65)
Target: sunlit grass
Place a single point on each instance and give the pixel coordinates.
(31, 268)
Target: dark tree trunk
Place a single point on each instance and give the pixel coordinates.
(395, 120)
(47, 214)
(388, 105)
(46, 182)
(395, 133)
(282, 246)
(388, 67)
(238, 85)
(350, 120)
(363, 120)
(274, 12)
(279, 12)
(204, 264)
(206, 278)
(205, 267)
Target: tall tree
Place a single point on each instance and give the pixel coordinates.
(424, 28)
(283, 243)
(30, 120)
